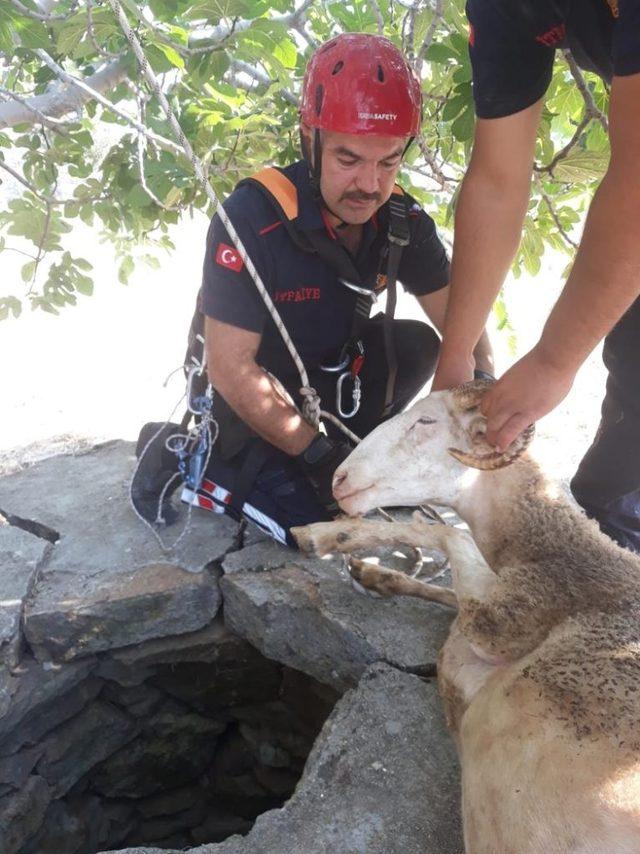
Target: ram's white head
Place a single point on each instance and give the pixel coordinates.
(423, 455)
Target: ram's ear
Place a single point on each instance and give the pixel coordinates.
(477, 431)
(495, 459)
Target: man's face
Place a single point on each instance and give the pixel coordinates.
(358, 173)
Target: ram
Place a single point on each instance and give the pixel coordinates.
(540, 674)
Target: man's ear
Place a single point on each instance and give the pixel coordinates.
(305, 140)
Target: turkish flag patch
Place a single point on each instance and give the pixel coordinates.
(227, 256)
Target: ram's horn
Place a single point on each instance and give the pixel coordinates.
(495, 459)
(469, 395)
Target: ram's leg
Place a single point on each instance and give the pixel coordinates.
(389, 582)
(502, 617)
(350, 534)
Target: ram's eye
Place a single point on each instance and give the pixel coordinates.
(423, 421)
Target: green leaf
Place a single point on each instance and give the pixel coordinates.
(157, 58)
(10, 304)
(454, 107)
(29, 32)
(138, 197)
(582, 166)
(531, 248)
(84, 285)
(71, 32)
(151, 261)
(27, 271)
(125, 270)
(463, 126)
(171, 54)
(283, 49)
(7, 43)
(173, 196)
(216, 10)
(86, 214)
(440, 52)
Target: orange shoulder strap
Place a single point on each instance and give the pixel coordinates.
(281, 188)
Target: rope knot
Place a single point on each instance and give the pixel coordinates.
(310, 405)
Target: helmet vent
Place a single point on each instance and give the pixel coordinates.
(380, 74)
(319, 97)
(337, 68)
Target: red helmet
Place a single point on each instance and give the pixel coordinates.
(360, 83)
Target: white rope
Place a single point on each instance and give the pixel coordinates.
(191, 436)
(311, 405)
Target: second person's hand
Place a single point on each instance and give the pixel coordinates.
(526, 392)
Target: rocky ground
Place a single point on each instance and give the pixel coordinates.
(93, 610)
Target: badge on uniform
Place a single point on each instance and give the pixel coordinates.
(227, 256)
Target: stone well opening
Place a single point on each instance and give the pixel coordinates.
(167, 748)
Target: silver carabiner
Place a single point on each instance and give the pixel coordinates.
(356, 395)
(365, 292)
(331, 369)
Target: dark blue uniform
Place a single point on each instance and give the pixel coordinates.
(512, 45)
(316, 308)
(318, 311)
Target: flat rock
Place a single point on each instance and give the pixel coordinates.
(107, 583)
(304, 612)
(15, 769)
(213, 643)
(21, 554)
(83, 742)
(382, 779)
(34, 695)
(21, 814)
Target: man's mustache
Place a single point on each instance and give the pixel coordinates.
(361, 197)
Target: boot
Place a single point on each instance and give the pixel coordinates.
(157, 466)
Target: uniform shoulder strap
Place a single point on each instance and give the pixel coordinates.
(283, 197)
(279, 189)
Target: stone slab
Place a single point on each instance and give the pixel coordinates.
(21, 814)
(107, 583)
(15, 769)
(213, 643)
(81, 743)
(31, 691)
(304, 612)
(21, 554)
(382, 778)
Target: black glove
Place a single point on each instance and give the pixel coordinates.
(319, 462)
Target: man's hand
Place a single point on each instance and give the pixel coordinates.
(528, 390)
(451, 373)
(319, 462)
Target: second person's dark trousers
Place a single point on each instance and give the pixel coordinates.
(607, 483)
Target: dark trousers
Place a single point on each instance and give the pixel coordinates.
(607, 483)
(281, 497)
